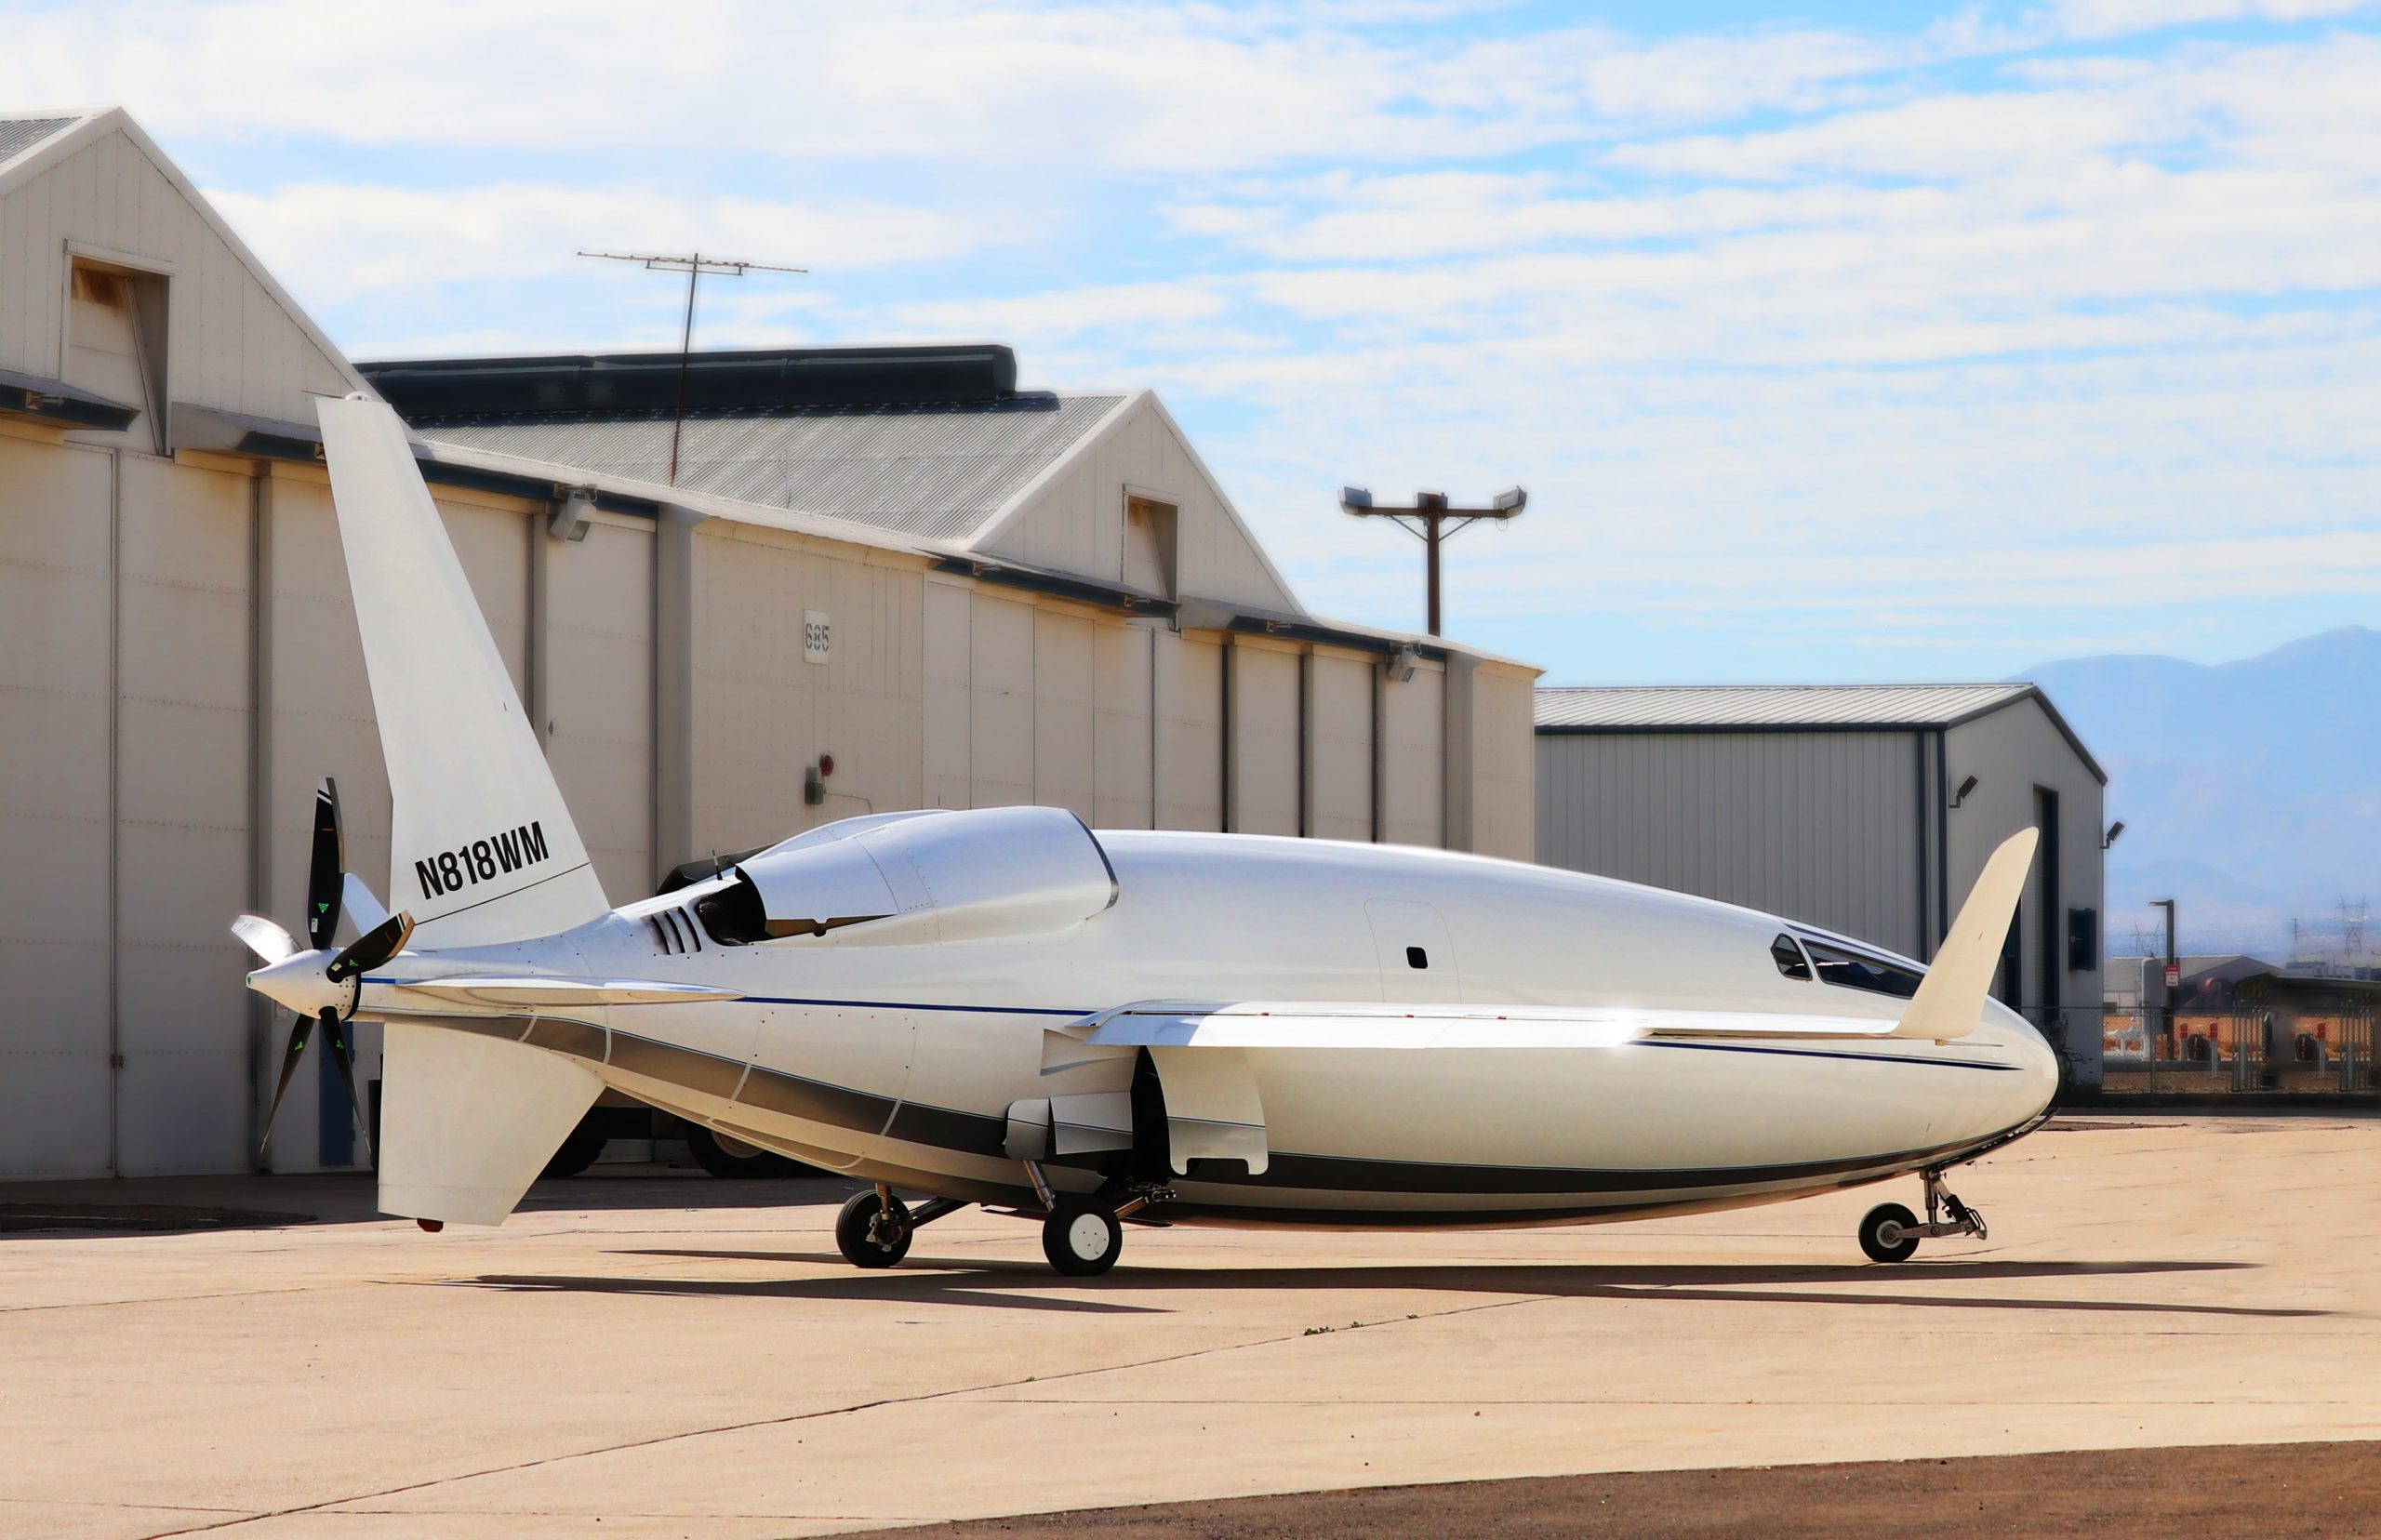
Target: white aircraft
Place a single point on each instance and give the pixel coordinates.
(1005, 1008)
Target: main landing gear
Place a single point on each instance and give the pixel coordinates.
(874, 1228)
(1082, 1236)
(1890, 1232)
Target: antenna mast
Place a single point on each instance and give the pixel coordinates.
(694, 264)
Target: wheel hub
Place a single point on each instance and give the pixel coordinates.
(1087, 1236)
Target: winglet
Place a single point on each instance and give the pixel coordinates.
(1952, 996)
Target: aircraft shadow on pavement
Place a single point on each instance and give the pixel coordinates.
(997, 1281)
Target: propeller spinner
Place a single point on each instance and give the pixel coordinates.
(324, 994)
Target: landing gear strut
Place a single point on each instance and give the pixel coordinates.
(1890, 1232)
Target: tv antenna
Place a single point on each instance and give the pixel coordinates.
(694, 264)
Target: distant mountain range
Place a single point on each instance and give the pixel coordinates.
(2250, 791)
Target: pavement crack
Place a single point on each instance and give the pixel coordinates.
(684, 1433)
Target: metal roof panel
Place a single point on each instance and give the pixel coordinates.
(1706, 707)
(939, 470)
(21, 135)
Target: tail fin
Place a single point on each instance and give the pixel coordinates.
(467, 1122)
(482, 848)
(1951, 995)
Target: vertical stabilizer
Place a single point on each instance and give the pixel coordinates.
(483, 849)
(468, 1122)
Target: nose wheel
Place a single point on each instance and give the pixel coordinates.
(1890, 1233)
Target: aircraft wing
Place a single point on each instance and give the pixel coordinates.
(534, 990)
(1305, 1023)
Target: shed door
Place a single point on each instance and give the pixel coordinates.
(1418, 961)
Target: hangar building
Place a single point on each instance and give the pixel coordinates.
(1869, 810)
(886, 578)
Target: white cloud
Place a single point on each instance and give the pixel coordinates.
(1162, 88)
(1830, 332)
(1068, 313)
(2113, 18)
(350, 239)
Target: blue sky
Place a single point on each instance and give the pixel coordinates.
(1833, 342)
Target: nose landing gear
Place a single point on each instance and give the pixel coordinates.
(1890, 1232)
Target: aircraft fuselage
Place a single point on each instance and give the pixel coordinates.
(899, 1060)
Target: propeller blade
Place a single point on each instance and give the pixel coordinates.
(266, 939)
(335, 1034)
(369, 950)
(326, 876)
(296, 1051)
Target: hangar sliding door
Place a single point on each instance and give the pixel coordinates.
(597, 700)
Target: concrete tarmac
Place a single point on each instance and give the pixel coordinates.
(648, 1353)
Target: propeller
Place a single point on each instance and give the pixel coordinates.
(298, 978)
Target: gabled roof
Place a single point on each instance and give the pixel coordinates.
(942, 471)
(33, 143)
(1769, 705)
(1785, 708)
(932, 441)
(21, 134)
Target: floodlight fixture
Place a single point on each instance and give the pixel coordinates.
(1433, 520)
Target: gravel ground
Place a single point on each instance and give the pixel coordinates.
(2272, 1492)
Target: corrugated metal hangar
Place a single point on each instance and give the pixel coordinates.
(886, 578)
(1867, 809)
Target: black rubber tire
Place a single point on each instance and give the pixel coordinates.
(1080, 1239)
(1872, 1239)
(738, 1164)
(857, 1234)
(577, 1154)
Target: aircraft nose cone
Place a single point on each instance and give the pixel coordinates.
(300, 983)
(2039, 1061)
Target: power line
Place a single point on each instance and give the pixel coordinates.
(694, 264)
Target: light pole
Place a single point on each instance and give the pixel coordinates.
(2174, 975)
(1428, 517)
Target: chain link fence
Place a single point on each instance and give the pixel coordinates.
(2279, 1036)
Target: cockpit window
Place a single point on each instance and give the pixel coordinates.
(1790, 960)
(1854, 970)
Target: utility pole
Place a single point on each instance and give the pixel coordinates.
(694, 264)
(1429, 519)
(2174, 969)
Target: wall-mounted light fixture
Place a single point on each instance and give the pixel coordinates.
(1401, 664)
(2110, 837)
(572, 515)
(1960, 796)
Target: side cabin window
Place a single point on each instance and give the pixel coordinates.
(1789, 958)
(1854, 970)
